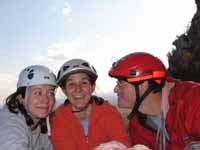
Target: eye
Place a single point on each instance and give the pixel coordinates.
(86, 82)
(51, 93)
(37, 93)
(70, 84)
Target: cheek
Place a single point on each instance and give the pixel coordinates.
(88, 91)
(30, 101)
(129, 95)
(30, 105)
(51, 102)
(67, 93)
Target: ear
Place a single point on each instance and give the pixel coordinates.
(93, 87)
(20, 98)
(64, 91)
(144, 86)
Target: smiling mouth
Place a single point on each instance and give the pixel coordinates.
(78, 97)
(43, 109)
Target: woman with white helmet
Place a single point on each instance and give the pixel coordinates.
(84, 121)
(23, 119)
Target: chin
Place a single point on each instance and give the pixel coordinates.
(121, 106)
(80, 106)
(42, 115)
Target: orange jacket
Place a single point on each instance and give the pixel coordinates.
(105, 124)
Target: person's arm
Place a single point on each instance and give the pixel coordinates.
(116, 127)
(193, 146)
(60, 137)
(112, 145)
(13, 135)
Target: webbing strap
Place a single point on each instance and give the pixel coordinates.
(139, 99)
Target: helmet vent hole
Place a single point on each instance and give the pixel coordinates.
(86, 65)
(58, 75)
(132, 72)
(94, 69)
(46, 77)
(65, 68)
(75, 66)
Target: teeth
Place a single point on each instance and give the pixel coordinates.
(77, 96)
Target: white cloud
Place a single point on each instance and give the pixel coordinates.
(104, 50)
(62, 51)
(58, 53)
(152, 29)
(67, 9)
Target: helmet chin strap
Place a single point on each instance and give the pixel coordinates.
(25, 101)
(139, 99)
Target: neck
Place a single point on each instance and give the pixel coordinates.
(85, 114)
(151, 104)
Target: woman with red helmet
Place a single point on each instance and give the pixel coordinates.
(164, 110)
(84, 121)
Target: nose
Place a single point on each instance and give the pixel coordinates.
(78, 87)
(45, 97)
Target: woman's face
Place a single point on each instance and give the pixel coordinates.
(40, 100)
(78, 90)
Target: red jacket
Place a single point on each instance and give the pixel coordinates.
(105, 124)
(182, 119)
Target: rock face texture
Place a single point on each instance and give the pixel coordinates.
(184, 60)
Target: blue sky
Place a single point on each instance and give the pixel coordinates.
(49, 32)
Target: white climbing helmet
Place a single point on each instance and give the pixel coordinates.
(74, 66)
(36, 75)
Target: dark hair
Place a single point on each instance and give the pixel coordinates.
(183, 60)
(155, 86)
(13, 103)
(14, 106)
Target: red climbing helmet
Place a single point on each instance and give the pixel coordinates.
(138, 66)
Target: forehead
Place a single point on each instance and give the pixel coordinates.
(42, 86)
(81, 75)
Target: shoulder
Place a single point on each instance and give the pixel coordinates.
(11, 119)
(184, 85)
(61, 113)
(13, 129)
(107, 106)
(186, 95)
(60, 109)
(106, 109)
(185, 90)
